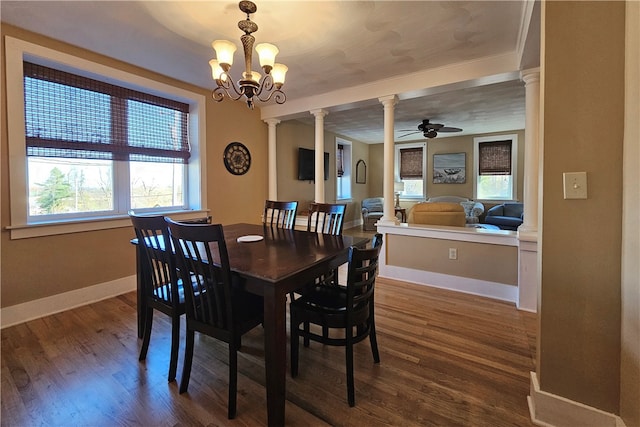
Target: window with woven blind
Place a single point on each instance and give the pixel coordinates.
(340, 160)
(94, 148)
(410, 165)
(88, 142)
(495, 167)
(411, 161)
(495, 158)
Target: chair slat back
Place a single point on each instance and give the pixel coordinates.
(326, 218)
(280, 214)
(362, 272)
(153, 237)
(203, 262)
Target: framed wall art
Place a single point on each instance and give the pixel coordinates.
(449, 168)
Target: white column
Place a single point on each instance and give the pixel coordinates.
(273, 164)
(531, 79)
(528, 231)
(388, 215)
(319, 115)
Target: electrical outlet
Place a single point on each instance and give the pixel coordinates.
(453, 253)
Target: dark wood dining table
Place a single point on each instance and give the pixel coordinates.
(283, 261)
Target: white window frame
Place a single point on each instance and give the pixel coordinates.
(514, 164)
(345, 180)
(16, 51)
(396, 174)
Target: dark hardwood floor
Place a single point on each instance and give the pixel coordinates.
(447, 359)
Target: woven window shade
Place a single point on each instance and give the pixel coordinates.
(71, 116)
(340, 160)
(494, 158)
(411, 163)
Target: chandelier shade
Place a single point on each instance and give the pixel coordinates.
(252, 86)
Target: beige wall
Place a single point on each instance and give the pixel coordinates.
(293, 134)
(583, 85)
(480, 261)
(40, 267)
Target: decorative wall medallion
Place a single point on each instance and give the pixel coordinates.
(237, 158)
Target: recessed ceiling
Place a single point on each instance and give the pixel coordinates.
(328, 46)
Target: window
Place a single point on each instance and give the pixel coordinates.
(343, 169)
(495, 167)
(77, 130)
(410, 169)
(96, 142)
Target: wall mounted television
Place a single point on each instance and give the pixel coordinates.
(307, 165)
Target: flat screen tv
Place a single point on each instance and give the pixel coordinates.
(307, 165)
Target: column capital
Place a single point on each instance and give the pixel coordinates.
(531, 75)
(271, 122)
(320, 112)
(388, 100)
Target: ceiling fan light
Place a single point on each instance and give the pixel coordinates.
(224, 52)
(431, 134)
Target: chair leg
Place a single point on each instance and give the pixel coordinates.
(374, 341)
(148, 323)
(175, 344)
(351, 395)
(295, 342)
(233, 380)
(188, 359)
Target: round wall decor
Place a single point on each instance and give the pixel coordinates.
(237, 158)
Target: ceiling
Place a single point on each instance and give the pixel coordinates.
(332, 48)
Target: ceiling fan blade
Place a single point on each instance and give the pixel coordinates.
(407, 134)
(449, 129)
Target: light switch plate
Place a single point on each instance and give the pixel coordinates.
(575, 185)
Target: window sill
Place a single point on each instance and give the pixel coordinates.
(27, 231)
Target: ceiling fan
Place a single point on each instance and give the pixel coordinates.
(430, 130)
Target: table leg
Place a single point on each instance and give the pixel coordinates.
(275, 349)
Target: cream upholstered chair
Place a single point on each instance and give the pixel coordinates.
(437, 213)
(472, 210)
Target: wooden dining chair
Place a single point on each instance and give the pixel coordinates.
(349, 308)
(326, 218)
(280, 214)
(162, 288)
(216, 303)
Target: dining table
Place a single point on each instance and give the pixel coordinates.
(272, 262)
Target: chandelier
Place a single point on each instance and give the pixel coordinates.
(251, 85)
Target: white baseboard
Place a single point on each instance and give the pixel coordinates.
(467, 285)
(21, 313)
(550, 410)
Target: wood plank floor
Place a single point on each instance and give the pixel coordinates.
(447, 359)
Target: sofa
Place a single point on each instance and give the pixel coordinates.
(438, 213)
(507, 216)
(472, 210)
(371, 212)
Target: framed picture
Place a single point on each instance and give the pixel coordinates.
(449, 168)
